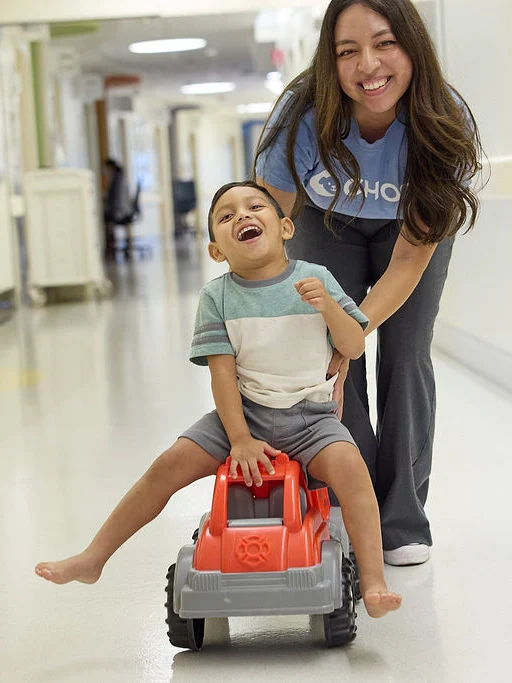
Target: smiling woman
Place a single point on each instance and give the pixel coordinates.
(372, 152)
(374, 70)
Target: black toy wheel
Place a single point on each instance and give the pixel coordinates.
(340, 626)
(187, 633)
(357, 586)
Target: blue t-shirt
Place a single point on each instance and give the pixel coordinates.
(382, 165)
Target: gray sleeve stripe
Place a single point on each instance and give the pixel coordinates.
(351, 308)
(217, 339)
(348, 305)
(346, 302)
(209, 327)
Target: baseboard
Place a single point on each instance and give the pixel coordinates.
(483, 358)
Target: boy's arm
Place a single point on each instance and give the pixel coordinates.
(227, 397)
(346, 332)
(245, 450)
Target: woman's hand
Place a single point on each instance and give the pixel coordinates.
(247, 453)
(338, 364)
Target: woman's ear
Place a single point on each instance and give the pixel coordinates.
(287, 228)
(215, 253)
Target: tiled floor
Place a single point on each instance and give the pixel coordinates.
(91, 392)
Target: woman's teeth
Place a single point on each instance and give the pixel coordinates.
(375, 85)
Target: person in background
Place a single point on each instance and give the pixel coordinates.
(372, 153)
(116, 202)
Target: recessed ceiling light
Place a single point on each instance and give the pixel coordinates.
(207, 88)
(168, 45)
(274, 82)
(254, 108)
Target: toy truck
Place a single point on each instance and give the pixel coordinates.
(268, 550)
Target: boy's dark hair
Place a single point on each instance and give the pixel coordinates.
(244, 183)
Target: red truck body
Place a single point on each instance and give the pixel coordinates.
(265, 546)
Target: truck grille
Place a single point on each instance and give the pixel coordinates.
(206, 581)
(300, 579)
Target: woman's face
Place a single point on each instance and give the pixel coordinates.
(373, 69)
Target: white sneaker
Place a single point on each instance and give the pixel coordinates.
(414, 553)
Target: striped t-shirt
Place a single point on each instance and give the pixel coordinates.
(281, 344)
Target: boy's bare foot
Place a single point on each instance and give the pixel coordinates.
(379, 601)
(77, 568)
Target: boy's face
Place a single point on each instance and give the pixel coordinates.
(247, 229)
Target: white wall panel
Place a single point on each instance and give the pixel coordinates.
(6, 242)
(474, 323)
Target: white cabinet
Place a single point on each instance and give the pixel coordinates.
(62, 231)
(6, 243)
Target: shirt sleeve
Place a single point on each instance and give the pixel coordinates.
(347, 304)
(210, 336)
(272, 164)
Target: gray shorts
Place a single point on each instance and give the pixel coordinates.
(301, 431)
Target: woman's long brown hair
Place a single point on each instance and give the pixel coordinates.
(444, 148)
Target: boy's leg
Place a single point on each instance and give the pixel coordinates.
(180, 465)
(341, 467)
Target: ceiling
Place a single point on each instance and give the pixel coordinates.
(45, 11)
(231, 54)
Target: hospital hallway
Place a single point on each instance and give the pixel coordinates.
(91, 392)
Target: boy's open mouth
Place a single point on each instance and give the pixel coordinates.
(249, 233)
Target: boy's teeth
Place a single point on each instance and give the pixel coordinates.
(375, 84)
(247, 229)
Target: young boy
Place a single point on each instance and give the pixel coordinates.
(266, 330)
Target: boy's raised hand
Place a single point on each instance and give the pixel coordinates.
(247, 453)
(312, 291)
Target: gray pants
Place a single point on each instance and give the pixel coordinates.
(399, 455)
(301, 431)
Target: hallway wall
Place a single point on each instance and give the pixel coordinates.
(473, 325)
(210, 150)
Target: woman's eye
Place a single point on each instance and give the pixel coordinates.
(345, 53)
(387, 43)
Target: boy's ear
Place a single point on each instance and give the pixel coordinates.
(287, 228)
(215, 253)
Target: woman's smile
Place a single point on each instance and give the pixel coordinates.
(373, 69)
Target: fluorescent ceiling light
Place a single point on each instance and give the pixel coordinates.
(274, 82)
(207, 88)
(168, 45)
(255, 108)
